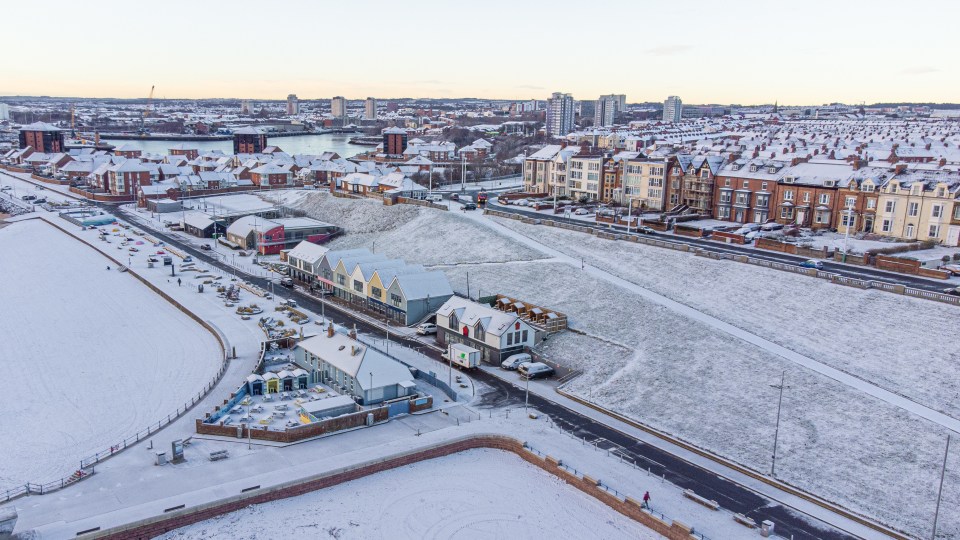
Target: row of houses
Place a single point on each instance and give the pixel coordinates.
(406, 293)
(913, 201)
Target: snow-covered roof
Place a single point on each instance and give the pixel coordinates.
(357, 360)
(468, 312)
(308, 252)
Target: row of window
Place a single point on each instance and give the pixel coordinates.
(913, 209)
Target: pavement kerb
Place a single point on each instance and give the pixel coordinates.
(833, 507)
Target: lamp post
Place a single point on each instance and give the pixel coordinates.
(776, 433)
(370, 390)
(526, 399)
(943, 471)
(846, 233)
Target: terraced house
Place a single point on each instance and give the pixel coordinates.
(920, 205)
(744, 189)
(643, 183)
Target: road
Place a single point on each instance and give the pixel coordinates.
(730, 495)
(846, 270)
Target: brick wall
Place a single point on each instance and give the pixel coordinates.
(158, 525)
(293, 434)
(727, 237)
(896, 264)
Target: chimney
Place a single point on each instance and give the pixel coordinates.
(353, 332)
(794, 161)
(901, 167)
(856, 163)
(928, 146)
(330, 330)
(943, 162)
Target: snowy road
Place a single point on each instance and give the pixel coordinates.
(685, 310)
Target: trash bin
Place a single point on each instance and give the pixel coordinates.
(161, 458)
(766, 527)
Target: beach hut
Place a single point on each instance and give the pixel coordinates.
(302, 378)
(273, 382)
(255, 384)
(286, 381)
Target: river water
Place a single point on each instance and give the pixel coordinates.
(299, 144)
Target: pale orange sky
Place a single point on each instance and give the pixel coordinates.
(745, 52)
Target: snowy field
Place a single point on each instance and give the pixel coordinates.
(475, 494)
(708, 387)
(396, 228)
(95, 355)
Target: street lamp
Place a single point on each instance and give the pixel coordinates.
(776, 433)
(526, 399)
(846, 234)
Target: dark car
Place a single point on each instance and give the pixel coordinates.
(454, 197)
(646, 230)
(955, 291)
(29, 197)
(470, 206)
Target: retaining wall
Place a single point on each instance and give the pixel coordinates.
(162, 524)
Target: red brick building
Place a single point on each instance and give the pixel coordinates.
(42, 137)
(394, 141)
(744, 189)
(249, 140)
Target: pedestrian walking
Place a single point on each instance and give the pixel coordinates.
(108, 267)
(646, 500)
(178, 282)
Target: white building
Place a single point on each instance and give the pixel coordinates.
(4, 111)
(560, 109)
(497, 334)
(293, 105)
(672, 109)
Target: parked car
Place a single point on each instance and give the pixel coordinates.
(286, 282)
(955, 291)
(5, 188)
(771, 226)
(811, 263)
(188, 259)
(205, 247)
(535, 370)
(645, 230)
(434, 197)
(454, 197)
(954, 269)
(41, 200)
(470, 206)
(513, 361)
(427, 328)
(581, 211)
(29, 197)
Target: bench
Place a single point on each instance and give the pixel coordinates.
(218, 455)
(744, 520)
(713, 505)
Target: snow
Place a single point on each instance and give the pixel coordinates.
(477, 493)
(96, 355)
(394, 228)
(659, 341)
(855, 243)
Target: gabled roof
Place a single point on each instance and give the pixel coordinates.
(468, 312)
(357, 360)
(423, 285)
(308, 252)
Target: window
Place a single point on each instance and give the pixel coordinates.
(848, 220)
(726, 182)
(524, 336)
(912, 209)
(746, 184)
(788, 195)
(509, 338)
(358, 285)
(871, 204)
(867, 188)
(956, 212)
(893, 188)
(936, 211)
(341, 279)
(705, 174)
(723, 212)
(377, 293)
(478, 333)
(909, 232)
(806, 196)
(763, 186)
(941, 192)
(934, 231)
(786, 213)
(885, 226)
(516, 337)
(396, 300)
(824, 198)
(453, 322)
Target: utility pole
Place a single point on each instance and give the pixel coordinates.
(943, 472)
(526, 399)
(776, 433)
(846, 233)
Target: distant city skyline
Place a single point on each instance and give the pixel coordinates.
(801, 54)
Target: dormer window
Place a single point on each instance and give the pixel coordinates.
(771, 170)
(753, 168)
(454, 323)
(479, 333)
(737, 166)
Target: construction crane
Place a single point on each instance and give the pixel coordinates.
(146, 112)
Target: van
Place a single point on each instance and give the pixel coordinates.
(286, 282)
(513, 361)
(434, 197)
(535, 370)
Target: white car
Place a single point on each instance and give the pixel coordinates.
(513, 362)
(427, 328)
(581, 211)
(5, 188)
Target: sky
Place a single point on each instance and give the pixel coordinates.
(745, 52)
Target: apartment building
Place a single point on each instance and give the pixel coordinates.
(606, 110)
(920, 205)
(338, 107)
(672, 109)
(858, 197)
(293, 105)
(584, 175)
(744, 188)
(370, 109)
(560, 109)
(691, 182)
(643, 183)
(807, 193)
(546, 170)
